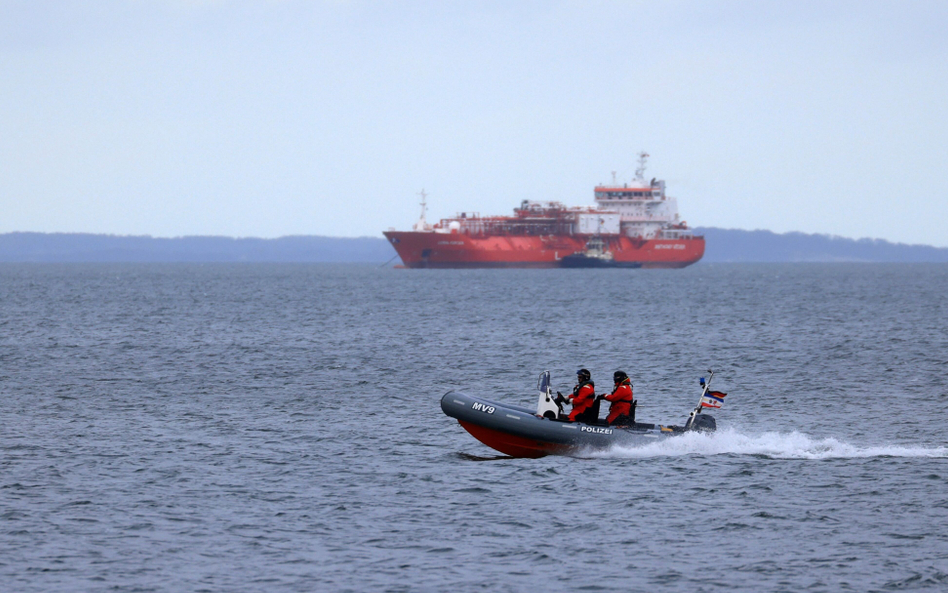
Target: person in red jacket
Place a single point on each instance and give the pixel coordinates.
(583, 397)
(621, 404)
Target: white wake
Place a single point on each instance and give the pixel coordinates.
(777, 445)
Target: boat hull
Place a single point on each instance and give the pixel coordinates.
(426, 249)
(580, 260)
(518, 432)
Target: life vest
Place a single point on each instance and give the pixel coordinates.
(583, 397)
(620, 400)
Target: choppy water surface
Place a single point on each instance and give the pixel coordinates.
(252, 427)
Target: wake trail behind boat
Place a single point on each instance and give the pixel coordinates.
(776, 445)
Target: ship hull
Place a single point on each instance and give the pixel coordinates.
(456, 250)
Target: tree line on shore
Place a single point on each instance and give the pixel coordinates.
(722, 245)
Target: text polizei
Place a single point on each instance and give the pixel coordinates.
(596, 430)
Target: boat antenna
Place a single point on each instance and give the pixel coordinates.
(613, 179)
(640, 172)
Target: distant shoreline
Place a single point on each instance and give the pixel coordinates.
(723, 245)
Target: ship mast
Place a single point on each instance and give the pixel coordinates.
(640, 172)
(422, 224)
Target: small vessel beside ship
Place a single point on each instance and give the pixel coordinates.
(632, 225)
(596, 255)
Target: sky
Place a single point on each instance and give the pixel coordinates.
(273, 118)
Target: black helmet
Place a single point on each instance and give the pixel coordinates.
(583, 374)
(619, 376)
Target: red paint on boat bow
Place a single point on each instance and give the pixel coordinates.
(509, 444)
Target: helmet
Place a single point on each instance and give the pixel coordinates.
(619, 376)
(583, 374)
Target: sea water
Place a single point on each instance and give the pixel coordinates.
(277, 428)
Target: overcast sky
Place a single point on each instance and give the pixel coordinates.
(273, 118)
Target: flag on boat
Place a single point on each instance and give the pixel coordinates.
(713, 399)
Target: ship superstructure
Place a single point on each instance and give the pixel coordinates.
(636, 223)
(645, 211)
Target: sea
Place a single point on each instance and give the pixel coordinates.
(254, 427)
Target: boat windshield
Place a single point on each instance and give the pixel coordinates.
(543, 383)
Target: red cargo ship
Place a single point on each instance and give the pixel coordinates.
(634, 225)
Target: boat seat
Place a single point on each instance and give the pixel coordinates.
(591, 416)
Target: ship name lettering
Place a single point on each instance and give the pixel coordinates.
(672, 246)
(481, 407)
(450, 242)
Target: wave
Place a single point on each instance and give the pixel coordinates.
(776, 445)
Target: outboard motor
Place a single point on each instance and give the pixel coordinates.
(704, 423)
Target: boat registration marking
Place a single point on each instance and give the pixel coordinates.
(512, 416)
(596, 429)
(483, 408)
